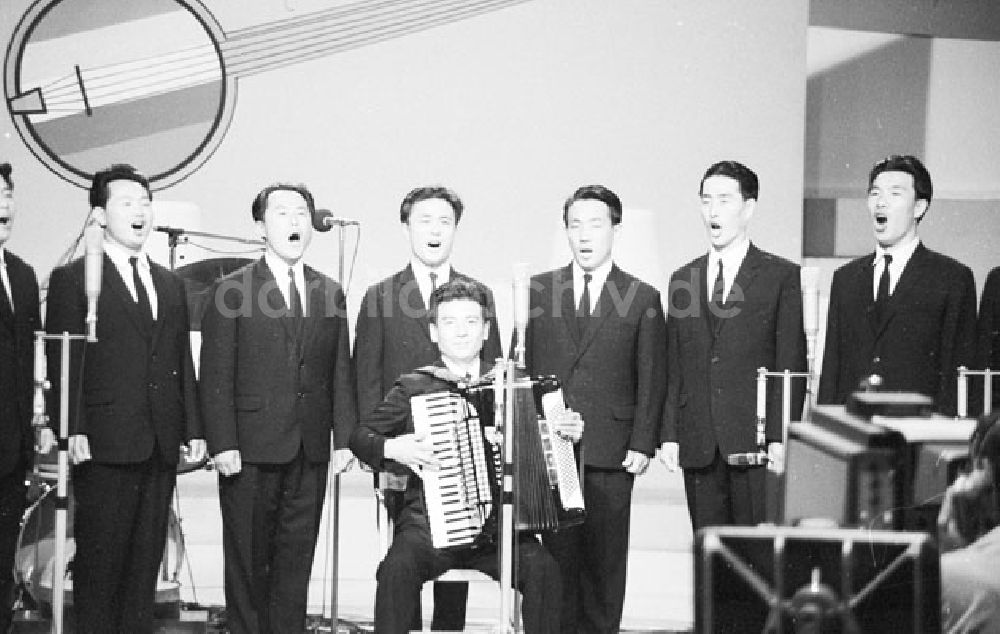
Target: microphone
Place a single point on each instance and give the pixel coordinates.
(324, 219)
(93, 265)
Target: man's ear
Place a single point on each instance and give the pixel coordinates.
(434, 332)
(261, 230)
(920, 208)
(98, 215)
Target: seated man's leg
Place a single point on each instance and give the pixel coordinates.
(539, 580)
(449, 605)
(410, 562)
(540, 583)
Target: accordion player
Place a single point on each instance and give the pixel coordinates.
(462, 496)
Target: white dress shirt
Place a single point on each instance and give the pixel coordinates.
(732, 259)
(901, 254)
(280, 270)
(422, 273)
(6, 279)
(597, 278)
(119, 257)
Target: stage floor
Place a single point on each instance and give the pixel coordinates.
(659, 596)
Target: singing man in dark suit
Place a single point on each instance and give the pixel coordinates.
(275, 380)
(989, 331)
(602, 332)
(459, 323)
(904, 312)
(392, 335)
(731, 311)
(19, 320)
(138, 406)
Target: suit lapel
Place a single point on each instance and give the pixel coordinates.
(112, 281)
(605, 306)
(565, 304)
(265, 279)
(316, 302)
(904, 286)
(406, 298)
(162, 291)
(744, 279)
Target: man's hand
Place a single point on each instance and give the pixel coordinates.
(411, 450)
(568, 424)
(194, 450)
(668, 455)
(229, 462)
(342, 460)
(966, 511)
(635, 462)
(45, 439)
(776, 457)
(79, 448)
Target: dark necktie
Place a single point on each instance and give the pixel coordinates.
(882, 296)
(434, 285)
(142, 298)
(719, 288)
(583, 315)
(294, 299)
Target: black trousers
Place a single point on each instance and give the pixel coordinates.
(270, 519)
(723, 495)
(120, 528)
(593, 557)
(12, 503)
(412, 560)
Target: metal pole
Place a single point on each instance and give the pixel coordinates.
(963, 392)
(988, 391)
(335, 511)
(507, 513)
(62, 499)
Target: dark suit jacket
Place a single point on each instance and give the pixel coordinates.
(989, 329)
(392, 336)
(712, 364)
(393, 417)
(614, 374)
(927, 331)
(139, 387)
(267, 389)
(17, 366)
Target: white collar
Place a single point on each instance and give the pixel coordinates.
(731, 257)
(460, 372)
(279, 268)
(120, 256)
(597, 277)
(901, 252)
(423, 272)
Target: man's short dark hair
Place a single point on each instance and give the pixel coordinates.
(909, 165)
(427, 193)
(455, 290)
(259, 204)
(595, 192)
(749, 184)
(117, 172)
(5, 170)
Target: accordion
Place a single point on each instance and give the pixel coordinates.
(463, 496)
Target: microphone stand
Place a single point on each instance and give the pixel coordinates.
(786, 377)
(334, 538)
(175, 235)
(963, 389)
(62, 472)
